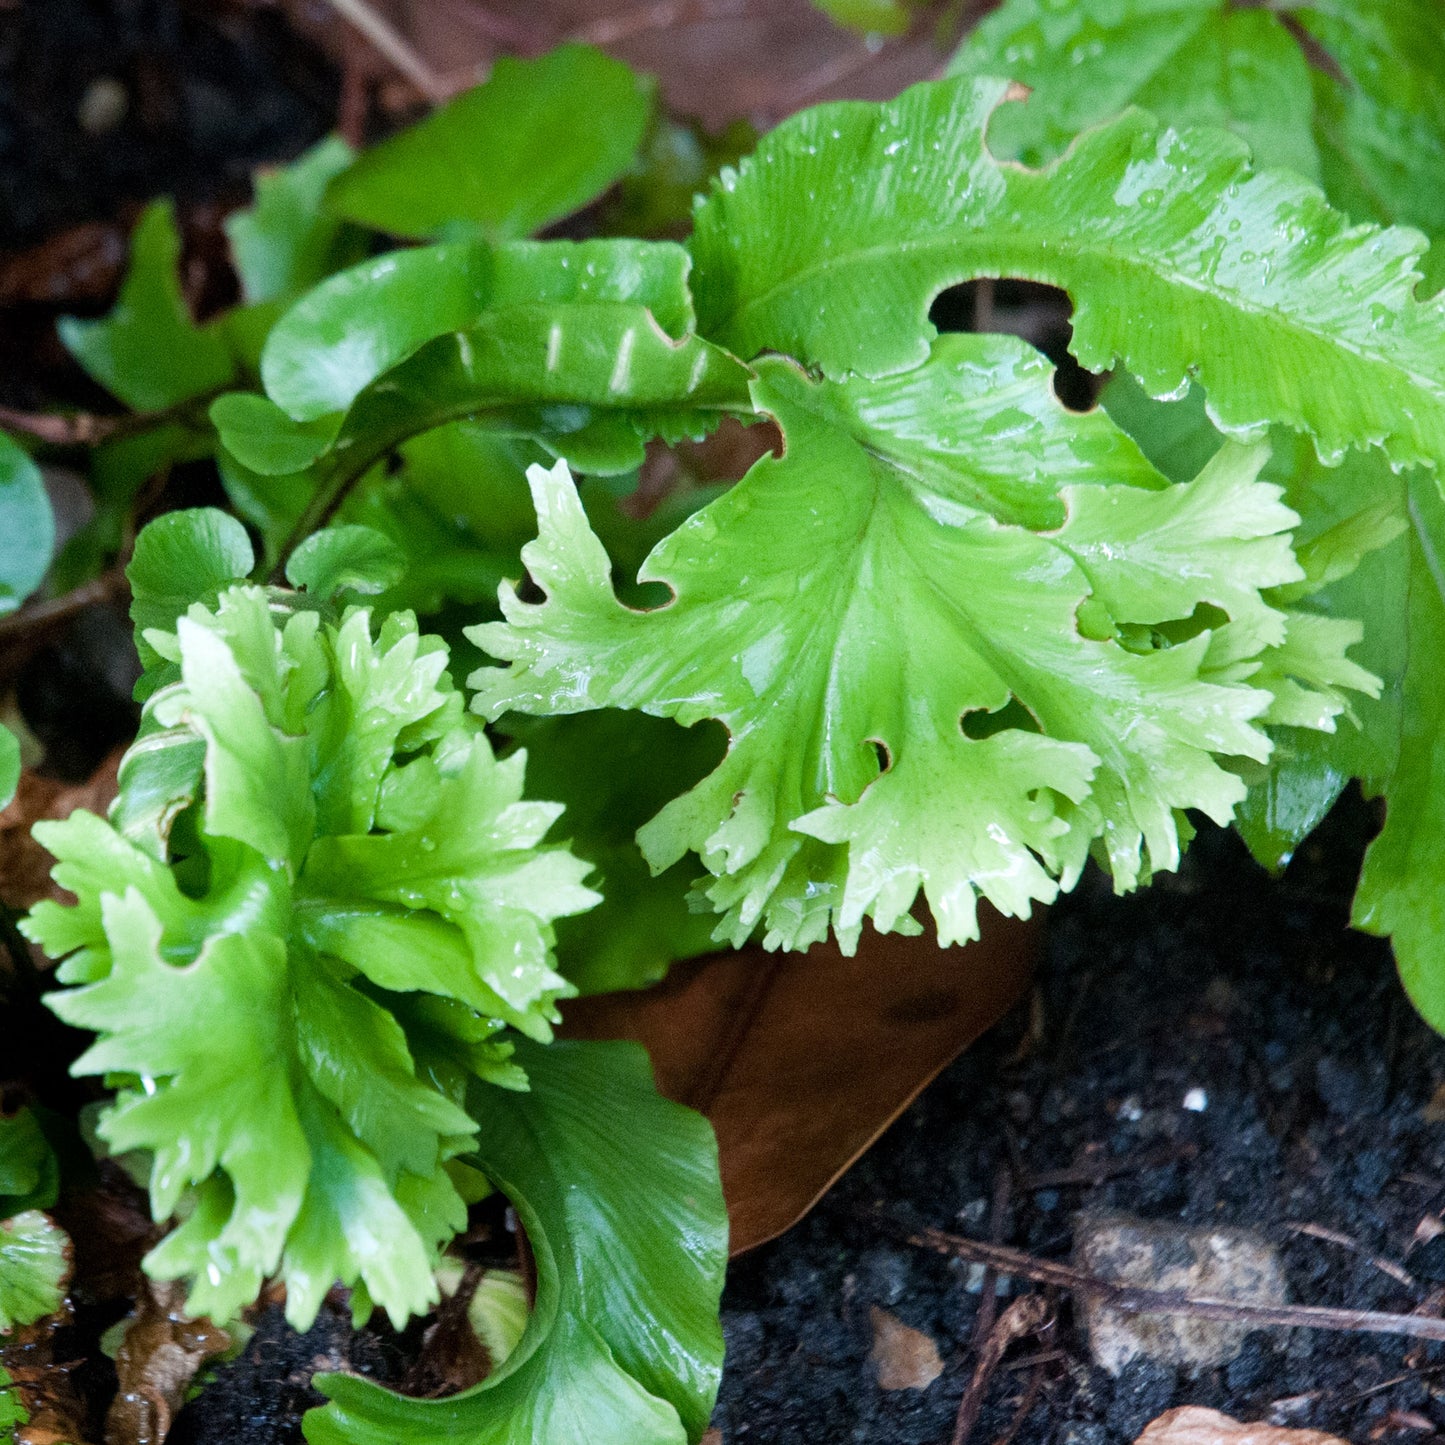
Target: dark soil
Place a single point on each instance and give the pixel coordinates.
(1318, 1078)
(193, 96)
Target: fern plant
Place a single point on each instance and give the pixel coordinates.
(954, 639)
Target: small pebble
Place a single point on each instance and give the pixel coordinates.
(103, 105)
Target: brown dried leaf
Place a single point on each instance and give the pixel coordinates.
(44, 1383)
(1193, 1425)
(158, 1358)
(716, 59)
(802, 1060)
(905, 1358)
(24, 865)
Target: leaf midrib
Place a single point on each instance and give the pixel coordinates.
(892, 250)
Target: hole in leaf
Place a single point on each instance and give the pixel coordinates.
(880, 750)
(1155, 637)
(1041, 315)
(978, 723)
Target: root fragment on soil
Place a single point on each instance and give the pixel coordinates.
(1131, 1299)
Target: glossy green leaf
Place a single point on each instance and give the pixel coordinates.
(1381, 124)
(29, 1175)
(1248, 282)
(588, 381)
(12, 1408)
(34, 1268)
(1191, 62)
(263, 439)
(359, 323)
(346, 559)
(831, 610)
(179, 559)
(539, 140)
(285, 241)
(1350, 519)
(351, 329)
(9, 764)
(1402, 884)
(619, 1193)
(294, 965)
(614, 770)
(27, 526)
(148, 351)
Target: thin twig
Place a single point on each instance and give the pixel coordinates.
(390, 43)
(1023, 1317)
(662, 15)
(972, 1397)
(80, 429)
(1134, 1300)
(55, 610)
(85, 429)
(1030, 1396)
(1331, 1236)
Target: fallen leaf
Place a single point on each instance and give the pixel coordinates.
(802, 1060)
(1193, 1425)
(748, 60)
(44, 1384)
(24, 865)
(158, 1358)
(905, 1358)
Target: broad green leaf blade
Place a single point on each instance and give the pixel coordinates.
(9, 765)
(148, 351)
(1249, 282)
(359, 323)
(27, 526)
(344, 334)
(182, 558)
(293, 970)
(459, 509)
(1381, 130)
(29, 1173)
(34, 1268)
(619, 1193)
(591, 383)
(539, 140)
(285, 242)
(614, 770)
(263, 439)
(347, 558)
(1351, 518)
(12, 1409)
(865, 595)
(1191, 62)
(1402, 884)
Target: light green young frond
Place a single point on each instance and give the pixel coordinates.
(249, 960)
(961, 700)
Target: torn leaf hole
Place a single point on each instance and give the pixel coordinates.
(1041, 315)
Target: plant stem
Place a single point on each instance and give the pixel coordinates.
(389, 42)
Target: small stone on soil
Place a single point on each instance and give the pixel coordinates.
(1217, 1262)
